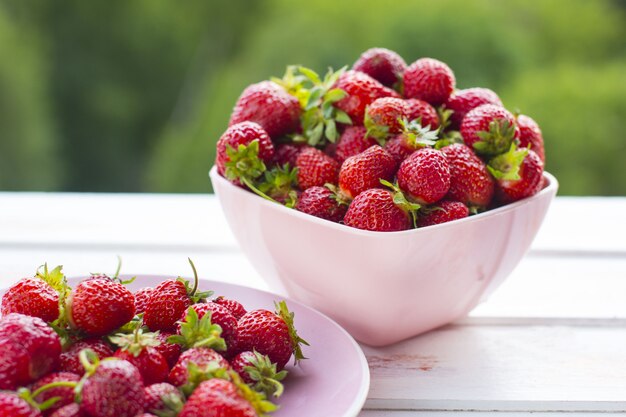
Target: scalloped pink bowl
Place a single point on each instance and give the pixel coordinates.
(383, 287)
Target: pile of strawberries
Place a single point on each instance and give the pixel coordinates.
(382, 147)
(99, 350)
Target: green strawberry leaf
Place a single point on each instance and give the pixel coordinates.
(506, 166)
(195, 332)
(265, 376)
(497, 139)
(283, 311)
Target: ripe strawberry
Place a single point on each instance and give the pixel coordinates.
(243, 152)
(70, 410)
(315, 168)
(462, 101)
(259, 372)
(383, 65)
(11, 405)
(488, 129)
(141, 299)
(220, 316)
(287, 153)
(413, 137)
(425, 176)
(269, 105)
(114, 388)
(365, 170)
(205, 360)
(163, 399)
(271, 334)
(33, 297)
(430, 80)
(380, 210)
(530, 136)
(69, 360)
(384, 117)
(361, 91)
(423, 112)
(30, 349)
(234, 306)
(99, 306)
(65, 394)
(518, 174)
(170, 351)
(445, 212)
(470, 182)
(322, 202)
(138, 349)
(353, 141)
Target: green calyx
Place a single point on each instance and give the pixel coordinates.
(197, 374)
(416, 136)
(173, 405)
(444, 117)
(293, 82)
(497, 139)
(337, 195)
(283, 311)
(195, 332)
(400, 200)
(279, 183)
(57, 280)
(507, 165)
(135, 342)
(258, 400)
(449, 138)
(244, 162)
(192, 291)
(374, 130)
(263, 372)
(30, 397)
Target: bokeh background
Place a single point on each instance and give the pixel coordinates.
(131, 96)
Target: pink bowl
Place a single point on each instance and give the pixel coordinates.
(383, 287)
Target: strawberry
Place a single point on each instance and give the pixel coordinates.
(365, 170)
(170, 351)
(315, 168)
(425, 176)
(65, 394)
(113, 388)
(380, 210)
(530, 136)
(279, 184)
(243, 152)
(413, 137)
(361, 90)
(383, 117)
(518, 174)
(204, 360)
(31, 349)
(219, 315)
(70, 410)
(271, 334)
(234, 306)
(163, 399)
(488, 129)
(430, 80)
(445, 212)
(269, 105)
(33, 297)
(383, 65)
(287, 153)
(69, 360)
(138, 349)
(353, 141)
(470, 182)
(423, 112)
(463, 101)
(259, 372)
(99, 306)
(11, 405)
(142, 296)
(169, 301)
(322, 202)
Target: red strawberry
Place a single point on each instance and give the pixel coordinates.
(170, 351)
(269, 105)
(530, 136)
(11, 405)
(30, 349)
(203, 358)
(221, 316)
(271, 334)
(243, 152)
(315, 168)
(259, 372)
(64, 393)
(287, 153)
(323, 203)
(353, 141)
(365, 170)
(69, 361)
(383, 65)
(163, 399)
(445, 212)
(463, 101)
(99, 306)
(518, 173)
(33, 297)
(488, 129)
(361, 91)
(422, 111)
(425, 176)
(141, 299)
(413, 137)
(384, 117)
(114, 388)
(234, 306)
(470, 182)
(70, 410)
(376, 210)
(138, 349)
(430, 80)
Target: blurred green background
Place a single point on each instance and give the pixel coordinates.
(131, 95)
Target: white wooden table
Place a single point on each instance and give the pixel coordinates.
(551, 341)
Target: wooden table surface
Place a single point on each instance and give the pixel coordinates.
(551, 340)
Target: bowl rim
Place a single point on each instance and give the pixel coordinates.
(551, 188)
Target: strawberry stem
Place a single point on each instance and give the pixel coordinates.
(89, 360)
(283, 311)
(195, 277)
